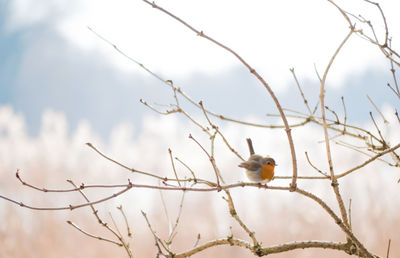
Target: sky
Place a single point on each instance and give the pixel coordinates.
(49, 59)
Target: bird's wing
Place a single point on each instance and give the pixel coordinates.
(250, 165)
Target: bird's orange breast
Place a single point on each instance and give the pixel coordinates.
(267, 172)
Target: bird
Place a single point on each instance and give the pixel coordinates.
(258, 168)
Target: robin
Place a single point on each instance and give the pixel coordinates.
(259, 168)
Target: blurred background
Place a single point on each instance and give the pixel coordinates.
(61, 86)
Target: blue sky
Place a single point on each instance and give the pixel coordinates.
(44, 65)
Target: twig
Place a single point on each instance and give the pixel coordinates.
(212, 151)
(334, 113)
(158, 240)
(338, 221)
(314, 167)
(357, 149)
(121, 165)
(345, 115)
(167, 112)
(69, 207)
(209, 157)
(165, 211)
(91, 235)
(350, 226)
(234, 214)
(394, 72)
(173, 166)
(100, 221)
(394, 91)
(331, 127)
(197, 240)
(128, 229)
(397, 115)
(172, 234)
(188, 168)
(379, 131)
(388, 248)
(301, 91)
(219, 132)
(368, 161)
(115, 225)
(377, 109)
(226, 241)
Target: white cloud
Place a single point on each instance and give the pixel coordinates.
(272, 36)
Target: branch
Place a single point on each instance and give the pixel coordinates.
(91, 235)
(335, 184)
(266, 250)
(252, 71)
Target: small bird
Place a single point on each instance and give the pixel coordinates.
(259, 168)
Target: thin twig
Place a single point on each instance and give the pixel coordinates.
(334, 113)
(301, 91)
(91, 235)
(121, 165)
(100, 221)
(345, 115)
(234, 214)
(350, 226)
(128, 229)
(379, 131)
(397, 115)
(158, 240)
(314, 167)
(368, 161)
(173, 233)
(197, 240)
(209, 157)
(377, 109)
(340, 223)
(388, 248)
(165, 211)
(173, 166)
(219, 132)
(188, 168)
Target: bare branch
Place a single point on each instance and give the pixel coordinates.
(173, 166)
(377, 109)
(301, 91)
(234, 214)
(379, 131)
(91, 235)
(314, 167)
(335, 184)
(252, 71)
(209, 157)
(390, 150)
(128, 229)
(388, 248)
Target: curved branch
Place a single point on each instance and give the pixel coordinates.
(266, 250)
(335, 185)
(258, 76)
